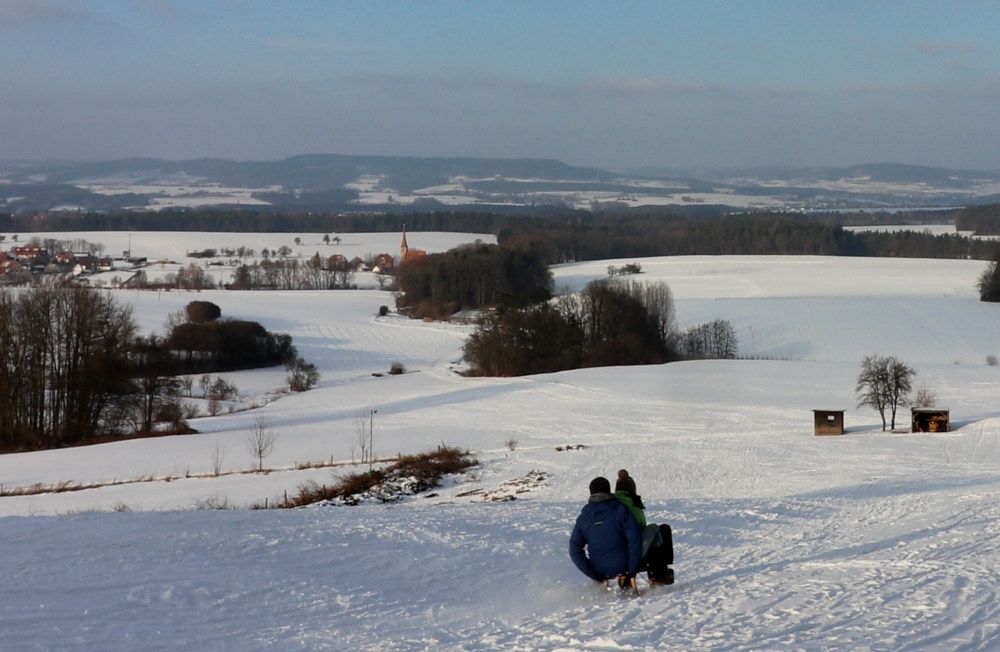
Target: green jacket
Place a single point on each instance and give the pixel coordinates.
(633, 503)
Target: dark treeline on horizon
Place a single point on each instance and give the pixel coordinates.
(984, 220)
(757, 234)
(573, 235)
(478, 219)
(245, 221)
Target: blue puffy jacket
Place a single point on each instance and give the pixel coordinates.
(612, 537)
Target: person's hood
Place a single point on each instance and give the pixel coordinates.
(635, 498)
(601, 497)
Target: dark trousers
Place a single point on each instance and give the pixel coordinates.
(660, 553)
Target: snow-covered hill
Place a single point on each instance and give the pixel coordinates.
(784, 540)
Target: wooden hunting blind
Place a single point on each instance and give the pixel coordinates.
(829, 422)
(929, 419)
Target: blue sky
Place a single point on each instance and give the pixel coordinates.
(612, 84)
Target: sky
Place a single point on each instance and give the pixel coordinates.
(618, 85)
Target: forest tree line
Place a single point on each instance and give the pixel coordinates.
(471, 277)
(759, 234)
(984, 220)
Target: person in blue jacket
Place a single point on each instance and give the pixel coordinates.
(610, 534)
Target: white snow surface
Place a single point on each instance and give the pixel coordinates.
(783, 540)
(174, 245)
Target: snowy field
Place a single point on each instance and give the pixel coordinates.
(174, 245)
(167, 251)
(784, 540)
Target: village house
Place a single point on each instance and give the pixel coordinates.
(27, 252)
(8, 265)
(384, 264)
(337, 263)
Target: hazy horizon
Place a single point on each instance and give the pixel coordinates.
(640, 84)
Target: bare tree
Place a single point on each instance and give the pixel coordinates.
(361, 437)
(659, 302)
(884, 384)
(713, 340)
(925, 396)
(261, 439)
(218, 455)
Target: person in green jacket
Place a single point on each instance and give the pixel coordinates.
(625, 493)
(657, 540)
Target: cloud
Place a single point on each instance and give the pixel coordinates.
(654, 85)
(300, 44)
(854, 87)
(164, 8)
(21, 12)
(457, 83)
(945, 47)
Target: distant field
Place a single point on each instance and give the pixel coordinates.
(174, 245)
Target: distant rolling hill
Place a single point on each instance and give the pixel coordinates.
(346, 182)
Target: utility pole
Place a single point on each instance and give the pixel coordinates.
(371, 438)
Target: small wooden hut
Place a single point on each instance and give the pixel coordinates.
(829, 422)
(925, 419)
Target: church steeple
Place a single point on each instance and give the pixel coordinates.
(403, 248)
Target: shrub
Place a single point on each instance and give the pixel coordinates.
(991, 360)
(199, 312)
(383, 311)
(170, 412)
(989, 283)
(222, 390)
(302, 375)
(511, 444)
(190, 410)
(396, 368)
(427, 468)
(214, 502)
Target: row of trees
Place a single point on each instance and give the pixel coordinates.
(316, 273)
(714, 340)
(469, 277)
(64, 365)
(606, 324)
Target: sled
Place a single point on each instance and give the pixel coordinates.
(634, 587)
